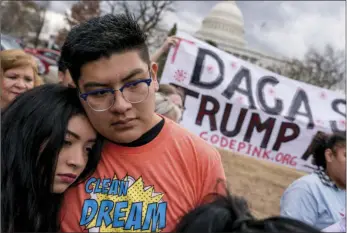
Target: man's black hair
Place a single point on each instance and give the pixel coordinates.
(321, 142)
(101, 37)
(61, 65)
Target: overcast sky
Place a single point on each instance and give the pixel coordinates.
(286, 28)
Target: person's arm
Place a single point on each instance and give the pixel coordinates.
(170, 41)
(300, 204)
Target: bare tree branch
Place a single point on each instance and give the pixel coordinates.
(325, 69)
(40, 20)
(80, 12)
(112, 6)
(19, 18)
(149, 14)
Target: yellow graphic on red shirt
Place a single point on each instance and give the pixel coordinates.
(121, 205)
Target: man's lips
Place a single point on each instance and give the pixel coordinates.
(123, 122)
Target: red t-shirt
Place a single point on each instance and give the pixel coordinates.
(146, 188)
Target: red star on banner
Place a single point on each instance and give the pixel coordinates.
(323, 95)
(240, 99)
(233, 65)
(209, 68)
(180, 75)
(271, 91)
(343, 122)
(173, 58)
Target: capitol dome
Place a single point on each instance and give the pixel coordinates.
(223, 25)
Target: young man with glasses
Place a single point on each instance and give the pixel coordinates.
(152, 171)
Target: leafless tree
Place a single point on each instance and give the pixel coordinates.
(61, 36)
(40, 20)
(112, 7)
(18, 18)
(149, 15)
(82, 11)
(324, 69)
(79, 12)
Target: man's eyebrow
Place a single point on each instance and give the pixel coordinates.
(94, 84)
(127, 77)
(133, 73)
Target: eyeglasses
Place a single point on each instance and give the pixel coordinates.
(103, 99)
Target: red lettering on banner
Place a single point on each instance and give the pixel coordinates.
(202, 134)
(241, 146)
(256, 151)
(214, 139)
(279, 157)
(231, 144)
(173, 58)
(223, 142)
(248, 149)
(293, 161)
(266, 154)
(286, 159)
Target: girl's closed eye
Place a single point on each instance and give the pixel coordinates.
(67, 143)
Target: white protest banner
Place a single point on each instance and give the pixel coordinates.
(241, 107)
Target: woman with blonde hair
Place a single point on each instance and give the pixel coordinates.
(165, 107)
(19, 73)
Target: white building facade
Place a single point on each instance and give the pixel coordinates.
(224, 26)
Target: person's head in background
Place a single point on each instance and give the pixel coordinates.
(19, 73)
(174, 95)
(165, 107)
(64, 74)
(329, 154)
(47, 144)
(231, 214)
(111, 68)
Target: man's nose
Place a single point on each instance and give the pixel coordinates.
(120, 105)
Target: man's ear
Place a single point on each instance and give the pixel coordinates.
(328, 155)
(154, 70)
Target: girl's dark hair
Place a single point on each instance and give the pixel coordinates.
(321, 142)
(33, 130)
(231, 214)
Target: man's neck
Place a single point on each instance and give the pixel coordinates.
(338, 182)
(155, 120)
(149, 134)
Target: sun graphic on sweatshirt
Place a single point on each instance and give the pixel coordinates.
(139, 210)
